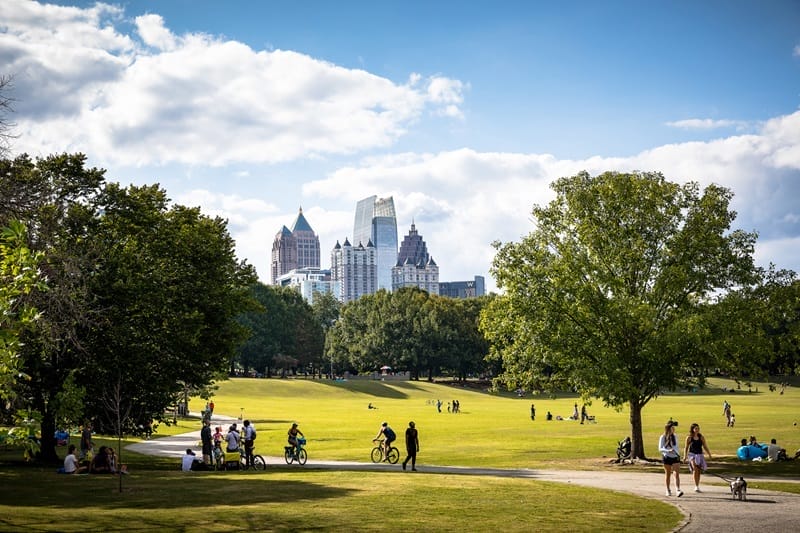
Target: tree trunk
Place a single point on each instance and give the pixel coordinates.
(48, 442)
(637, 442)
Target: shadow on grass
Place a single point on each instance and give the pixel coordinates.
(158, 490)
(379, 389)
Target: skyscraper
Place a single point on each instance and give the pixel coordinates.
(353, 270)
(376, 222)
(293, 249)
(415, 267)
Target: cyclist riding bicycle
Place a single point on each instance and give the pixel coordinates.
(293, 432)
(388, 438)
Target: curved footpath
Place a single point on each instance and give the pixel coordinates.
(712, 511)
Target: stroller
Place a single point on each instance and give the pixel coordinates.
(624, 449)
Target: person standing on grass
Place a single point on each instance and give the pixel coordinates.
(668, 446)
(208, 441)
(86, 441)
(533, 412)
(412, 446)
(695, 444)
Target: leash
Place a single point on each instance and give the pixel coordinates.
(720, 476)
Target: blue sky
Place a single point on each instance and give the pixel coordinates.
(464, 112)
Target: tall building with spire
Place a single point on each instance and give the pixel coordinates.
(376, 222)
(415, 267)
(294, 248)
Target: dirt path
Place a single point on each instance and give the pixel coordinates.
(712, 511)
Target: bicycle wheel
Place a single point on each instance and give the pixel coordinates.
(259, 463)
(377, 454)
(302, 456)
(287, 456)
(394, 455)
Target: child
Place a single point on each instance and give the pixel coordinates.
(733, 419)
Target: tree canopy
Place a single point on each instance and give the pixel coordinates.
(606, 295)
(141, 297)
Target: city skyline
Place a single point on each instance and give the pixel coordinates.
(462, 113)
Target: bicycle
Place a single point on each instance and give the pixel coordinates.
(258, 462)
(300, 455)
(378, 456)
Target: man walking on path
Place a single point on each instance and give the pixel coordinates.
(412, 446)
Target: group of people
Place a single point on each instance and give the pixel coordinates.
(388, 435)
(103, 462)
(694, 446)
(730, 418)
(452, 407)
(235, 440)
(752, 450)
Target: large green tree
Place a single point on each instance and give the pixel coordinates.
(166, 290)
(19, 275)
(141, 295)
(607, 294)
(284, 333)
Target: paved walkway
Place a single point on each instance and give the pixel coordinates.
(712, 511)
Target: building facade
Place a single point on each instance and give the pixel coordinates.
(415, 267)
(463, 289)
(294, 249)
(354, 268)
(309, 281)
(376, 222)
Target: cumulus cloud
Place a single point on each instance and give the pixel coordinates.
(153, 97)
(707, 124)
(153, 32)
(463, 200)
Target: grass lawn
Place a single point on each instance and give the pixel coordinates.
(284, 499)
(493, 430)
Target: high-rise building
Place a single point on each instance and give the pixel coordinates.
(415, 267)
(376, 222)
(463, 289)
(295, 248)
(353, 270)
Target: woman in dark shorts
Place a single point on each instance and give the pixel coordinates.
(668, 446)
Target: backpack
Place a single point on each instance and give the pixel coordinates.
(252, 433)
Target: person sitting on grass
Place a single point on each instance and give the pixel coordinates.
(100, 464)
(71, 465)
(112, 463)
(187, 461)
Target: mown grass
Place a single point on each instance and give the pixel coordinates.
(496, 429)
(493, 430)
(284, 499)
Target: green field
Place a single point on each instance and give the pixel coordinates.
(493, 430)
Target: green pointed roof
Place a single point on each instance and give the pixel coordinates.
(301, 224)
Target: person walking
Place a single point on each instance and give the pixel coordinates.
(668, 446)
(533, 412)
(695, 444)
(412, 446)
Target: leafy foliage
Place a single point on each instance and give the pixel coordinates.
(606, 295)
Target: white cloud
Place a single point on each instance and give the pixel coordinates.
(797, 50)
(154, 98)
(153, 33)
(463, 200)
(707, 124)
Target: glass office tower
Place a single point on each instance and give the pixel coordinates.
(376, 223)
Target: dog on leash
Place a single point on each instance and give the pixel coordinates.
(739, 489)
